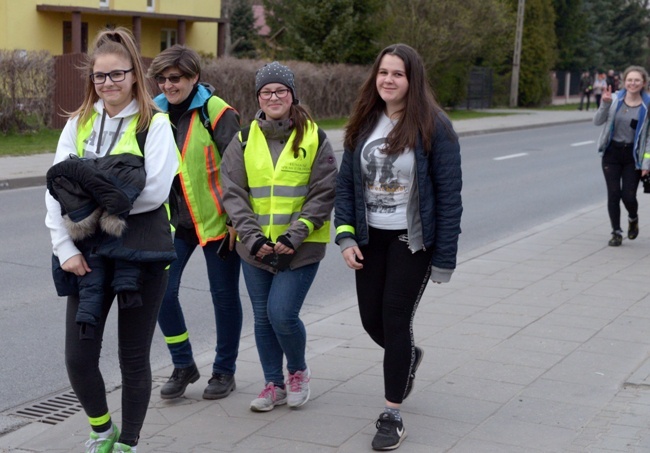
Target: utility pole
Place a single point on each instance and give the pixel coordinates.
(514, 84)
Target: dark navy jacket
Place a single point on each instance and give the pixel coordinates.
(434, 207)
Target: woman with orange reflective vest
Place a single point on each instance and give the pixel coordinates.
(115, 109)
(203, 125)
(279, 177)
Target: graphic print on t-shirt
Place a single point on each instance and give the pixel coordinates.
(386, 182)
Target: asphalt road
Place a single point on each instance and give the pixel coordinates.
(512, 182)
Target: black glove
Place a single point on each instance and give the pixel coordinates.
(261, 240)
(284, 240)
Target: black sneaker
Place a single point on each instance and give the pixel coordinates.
(178, 382)
(390, 433)
(419, 353)
(633, 228)
(616, 240)
(219, 386)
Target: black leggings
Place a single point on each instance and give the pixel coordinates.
(622, 180)
(389, 288)
(135, 332)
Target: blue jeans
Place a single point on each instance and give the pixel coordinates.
(277, 300)
(223, 276)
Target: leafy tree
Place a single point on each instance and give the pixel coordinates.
(601, 34)
(538, 52)
(628, 33)
(242, 30)
(324, 31)
(451, 37)
(574, 46)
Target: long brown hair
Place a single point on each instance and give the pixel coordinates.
(299, 116)
(418, 117)
(120, 42)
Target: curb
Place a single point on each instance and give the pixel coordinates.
(517, 128)
(20, 183)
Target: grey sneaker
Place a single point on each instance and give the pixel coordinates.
(270, 397)
(298, 388)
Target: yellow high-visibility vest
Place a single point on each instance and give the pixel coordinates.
(278, 193)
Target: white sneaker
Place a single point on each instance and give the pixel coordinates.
(298, 388)
(270, 397)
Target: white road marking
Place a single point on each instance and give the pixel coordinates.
(511, 156)
(590, 142)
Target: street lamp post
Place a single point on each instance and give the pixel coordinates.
(514, 85)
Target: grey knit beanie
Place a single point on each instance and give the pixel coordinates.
(275, 73)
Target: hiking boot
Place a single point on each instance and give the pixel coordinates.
(270, 397)
(390, 433)
(419, 353)
(219, 386)
(298, 388)
(178, 382)
(616, 240)
(97, 444)
(633, 228)
(123, 448)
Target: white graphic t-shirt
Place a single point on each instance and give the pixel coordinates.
(386, 179)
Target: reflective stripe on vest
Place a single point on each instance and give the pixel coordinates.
(199, 174)
(277, 194)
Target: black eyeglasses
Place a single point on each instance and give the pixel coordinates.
(281, 93)
(161, 80)
(115, 76)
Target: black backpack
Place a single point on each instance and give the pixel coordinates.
(141, 138)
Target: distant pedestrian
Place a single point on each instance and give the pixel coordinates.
(600, 84)
(585, 88)
(279, 177)
(622, 145)
(397, 213)
(612, 80)
(203, 125)
(116, 120)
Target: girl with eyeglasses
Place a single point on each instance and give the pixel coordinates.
(279, 177)
(115, 122)
(397, 212)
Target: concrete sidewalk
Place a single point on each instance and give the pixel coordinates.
(538, 344)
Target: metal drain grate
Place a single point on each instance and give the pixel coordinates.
(53, 410)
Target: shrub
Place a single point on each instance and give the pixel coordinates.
(26, 88)
(328, 91)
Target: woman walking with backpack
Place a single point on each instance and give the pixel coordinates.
(203, 125)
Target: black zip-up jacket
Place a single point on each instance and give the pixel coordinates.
(434, 206)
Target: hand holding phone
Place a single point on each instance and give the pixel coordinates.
(224, 248)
